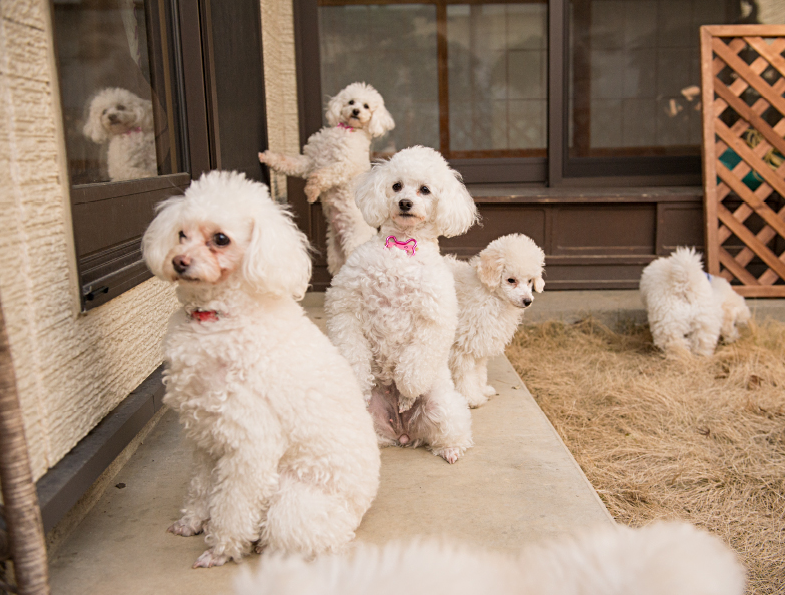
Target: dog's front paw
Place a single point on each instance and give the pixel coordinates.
(209, 559)
(263, 156)
(449, 454)
(186, 528)
(476, 400)
(489, 391)
(312, 190)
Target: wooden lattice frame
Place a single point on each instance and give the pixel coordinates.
(749, 56)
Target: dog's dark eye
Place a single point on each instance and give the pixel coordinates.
(120, 108)
(183, 236)
(397, 186)
(365, 105)
(351, 102)
(220, 239)
(425, 190)
(103, 112)
(511, 281)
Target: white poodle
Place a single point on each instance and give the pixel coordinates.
(284, 448)
(493, 290)
(392, 309)
(688, 309)
(661, 559)
(331, 161)
(126, 121)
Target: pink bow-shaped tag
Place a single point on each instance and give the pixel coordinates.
(409, 249)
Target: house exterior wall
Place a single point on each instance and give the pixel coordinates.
(72, 368)
(280, 83)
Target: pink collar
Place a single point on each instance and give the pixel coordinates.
(409, 249)
(345, 126)
(132, 130)
(204, 315)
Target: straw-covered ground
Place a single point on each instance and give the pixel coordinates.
(701, 439)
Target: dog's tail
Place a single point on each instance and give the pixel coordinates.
(661, 559)
(686, 268)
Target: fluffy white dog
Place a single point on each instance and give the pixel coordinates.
(126, 121)
(284, 448)
(493, 290)
(661, 559)
(331, 161)
(392, 309)
(688, 309)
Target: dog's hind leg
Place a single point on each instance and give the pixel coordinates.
(196, 511)
(482, 374)
(305, 519)
(465, 374)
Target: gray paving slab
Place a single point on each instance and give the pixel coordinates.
(518, 484)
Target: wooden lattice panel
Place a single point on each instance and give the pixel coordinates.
(743, 80)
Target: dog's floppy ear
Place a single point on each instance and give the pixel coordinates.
(371, 195)
(145, 115)
(489, 266)
(93, 129)
(381, 122)
(276, 260)
(333, 111)
(539, 284)
(456, 211)
(162, 235)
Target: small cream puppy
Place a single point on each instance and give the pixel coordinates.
(392, 309)
(661, 559)
(332, 159)
(125, 121)
(285, 452)
(493, 290)
(688, 309)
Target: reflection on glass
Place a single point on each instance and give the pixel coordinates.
(497, 56)
(392, 48)
(635, 75)
(119, 104)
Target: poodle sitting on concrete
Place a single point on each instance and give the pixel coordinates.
(331, 161)
(661, 559)
(689, 309)
(125, 121)
(392, 309)
(493, 290)
(284, 448)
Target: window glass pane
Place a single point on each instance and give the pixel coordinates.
(497, 61)
(120, 98)
(635, 75)
(392, 48)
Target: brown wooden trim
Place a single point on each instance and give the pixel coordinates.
(443, 78)
(760, 291)
(499, 154)
(87, 193)
(707, 157)
(745, 30)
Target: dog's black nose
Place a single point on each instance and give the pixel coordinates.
(113, 118)
(355, 112)
(405, 204)
(527, 302)
(181, 263)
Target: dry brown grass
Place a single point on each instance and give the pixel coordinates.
(701, 440)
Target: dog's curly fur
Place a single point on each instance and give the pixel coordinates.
(394, 315)
(493, 290)
(688, 310)
(660, 559)
(125, 121)
(285, 451)
(331, 161)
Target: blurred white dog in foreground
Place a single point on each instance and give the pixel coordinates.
(284, 448)
(332, 159)
(392, 309)
(125, 121)
(493, 290)
(661, 559)
(688, 309)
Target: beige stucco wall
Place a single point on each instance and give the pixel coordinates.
(280, 83)
(72, 369)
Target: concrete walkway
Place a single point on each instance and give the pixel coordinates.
(518, 484)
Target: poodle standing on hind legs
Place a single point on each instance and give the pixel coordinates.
(392, 309)
(332, 159)
(284, 449)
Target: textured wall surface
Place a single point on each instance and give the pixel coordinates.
(72, 369)
(280, 83)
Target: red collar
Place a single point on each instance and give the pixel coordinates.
(346, 126)
(204, 315)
